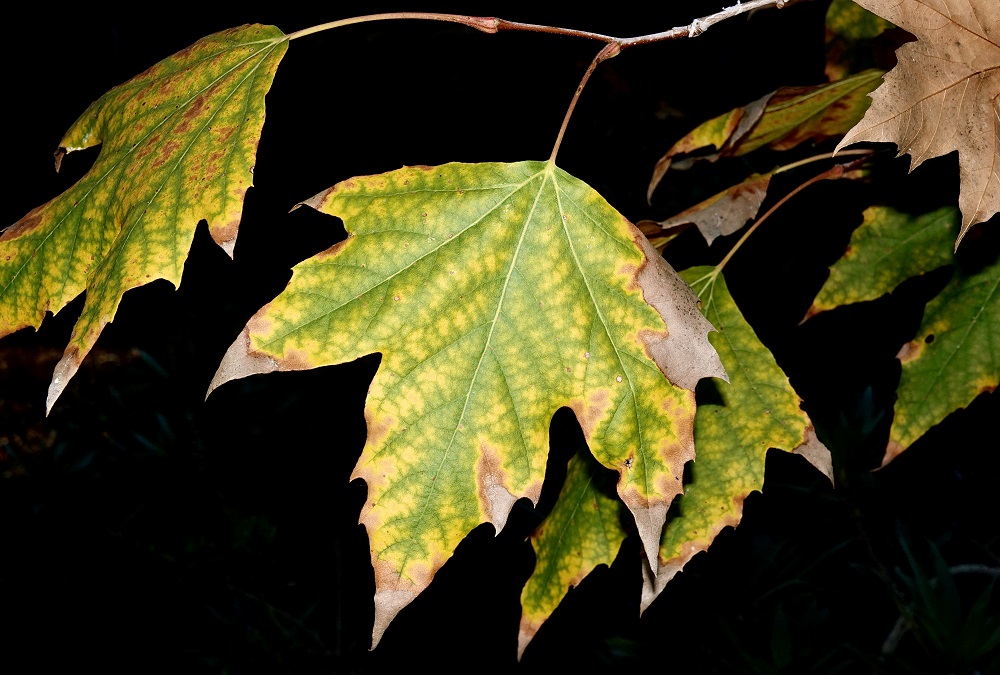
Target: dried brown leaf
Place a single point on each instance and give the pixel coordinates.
(943, 95)
(725, 212)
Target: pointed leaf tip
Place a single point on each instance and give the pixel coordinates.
(240, 360)
(582, 532)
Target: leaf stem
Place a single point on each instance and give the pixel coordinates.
(834, 172)
(612, 48)
(485, 24)
(610, 51)
(817, 158)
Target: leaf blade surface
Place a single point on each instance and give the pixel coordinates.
(954, 357)
(496, 293)
(582, 532)
(758, 410)
(886, 249)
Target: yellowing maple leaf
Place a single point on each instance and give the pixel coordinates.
(735, 428)
(178, 144)
(943, 95)
(496, 293)
(582, 532)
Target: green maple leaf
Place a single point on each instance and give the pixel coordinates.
(582, 531)
(177, 146)
(887, 248)
(758, 410)
(954, 357)
(956, 353)
(496, 293)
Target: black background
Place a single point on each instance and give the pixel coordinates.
(146, 530)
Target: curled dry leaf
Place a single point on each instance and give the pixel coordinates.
(725, 212)
(780, 120)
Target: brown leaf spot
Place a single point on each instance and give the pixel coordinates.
(378, 428)
(680, 451)
(910, 351)
(191, 113)
(495, 499)
(30, 221)
(811, 312)
(166, 150)
(592, 410)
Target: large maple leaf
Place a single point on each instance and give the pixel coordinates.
(178, 144)
(943, 95)
(496, 293)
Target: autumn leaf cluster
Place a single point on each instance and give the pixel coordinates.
(498, 293)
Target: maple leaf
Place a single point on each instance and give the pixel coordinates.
(177, 146)
(496, 293)
(758, 410)
(887, 248)
(943, 95)
(582, 532)
(780, 120)
(955, 355)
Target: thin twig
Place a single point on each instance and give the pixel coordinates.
(837, 171)
(495, 25)
(612, 48)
